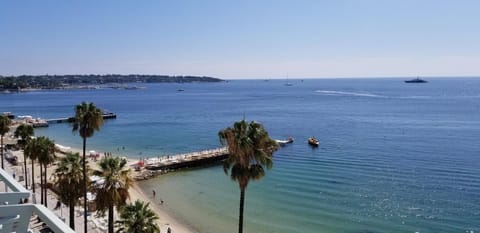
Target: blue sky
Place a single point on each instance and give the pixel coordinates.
(242, 39)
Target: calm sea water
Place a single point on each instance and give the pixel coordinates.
(394, 157)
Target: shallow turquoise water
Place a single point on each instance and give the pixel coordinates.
(394, 157)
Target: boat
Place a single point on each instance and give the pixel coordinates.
(313, 141)
(108, 115)
(416, 80)
(285, 142)
(288, 83)
(9, 115)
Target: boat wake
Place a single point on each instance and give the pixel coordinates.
(372, 95)
(346, 93)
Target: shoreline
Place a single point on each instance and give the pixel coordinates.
(166, 217)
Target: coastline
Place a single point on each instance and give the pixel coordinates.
(166, 218)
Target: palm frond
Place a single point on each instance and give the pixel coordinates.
(117, 181)
(137, 217)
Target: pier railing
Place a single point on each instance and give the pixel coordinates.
(187, 159)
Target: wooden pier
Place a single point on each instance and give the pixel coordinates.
(187, 160)
(108, 115)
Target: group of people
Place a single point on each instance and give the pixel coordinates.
(107, 154)
(94, 156)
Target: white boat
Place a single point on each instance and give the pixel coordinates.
(284, 142)
(288, 83)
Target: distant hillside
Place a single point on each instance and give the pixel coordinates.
(71, 81)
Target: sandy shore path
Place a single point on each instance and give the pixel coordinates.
(165, 219)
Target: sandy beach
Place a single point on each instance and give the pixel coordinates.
(165, 220)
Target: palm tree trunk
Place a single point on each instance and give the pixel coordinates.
(33, 176)
(41, 184)
(242, 202)
(46, 185)
(25, 171)
(85, 187)
(110, 219)
(71, 214)
(2, 150)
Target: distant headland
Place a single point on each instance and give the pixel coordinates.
(28, 82)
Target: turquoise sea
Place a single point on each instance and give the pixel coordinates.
(394, 157)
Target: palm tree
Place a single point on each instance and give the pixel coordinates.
(31, 151)
(114, 190)
(87, 120)
(45, 157)
(137, 218)
(68, 179)
(250, 149)
(24, 132)
(4, 128)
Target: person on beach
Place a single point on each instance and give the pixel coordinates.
(169, 230)
(59, 204)
(154, 194)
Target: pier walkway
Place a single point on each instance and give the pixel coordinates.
(107, 115)
(186, 160)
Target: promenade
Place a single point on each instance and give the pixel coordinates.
(95, 224)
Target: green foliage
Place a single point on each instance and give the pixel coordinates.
(4, 125)
(45, 157)
(4, 128)
(32, 149)
(114, 190)
(137, 218)
(250, 149)
(41, 149)
(62, 81)
(24, 132)
(88, 119)
(46, 153)
(69, 181)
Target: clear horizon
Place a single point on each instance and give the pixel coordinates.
(283, 78)
(248, 39)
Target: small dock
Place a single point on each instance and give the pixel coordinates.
(108, 115)
(194, 159)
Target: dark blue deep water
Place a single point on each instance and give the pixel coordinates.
(394, 157)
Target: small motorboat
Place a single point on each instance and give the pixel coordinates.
(313, 141)
(285, 142)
